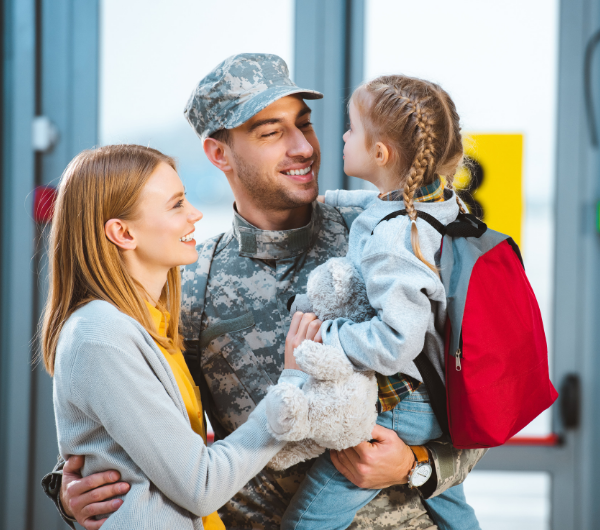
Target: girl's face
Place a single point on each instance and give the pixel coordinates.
(358, 162)
(164, 225)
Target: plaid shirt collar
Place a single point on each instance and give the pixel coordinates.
(433, 192)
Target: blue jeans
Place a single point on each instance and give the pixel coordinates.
(326, 500)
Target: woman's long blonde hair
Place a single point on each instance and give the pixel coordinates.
(418, 122)
(98, 185)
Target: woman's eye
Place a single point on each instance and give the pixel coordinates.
(307, 124)
(179, 204)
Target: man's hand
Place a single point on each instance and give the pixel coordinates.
(304, 326)
(83, 498)
(378, 464)
(321, 198)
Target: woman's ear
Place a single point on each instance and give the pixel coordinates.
(382, 154)
(118, 233)
(218, 154)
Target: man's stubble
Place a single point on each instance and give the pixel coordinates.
(268, 195)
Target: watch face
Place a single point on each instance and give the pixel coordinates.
(420, 475)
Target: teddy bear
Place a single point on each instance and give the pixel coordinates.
(336, 408)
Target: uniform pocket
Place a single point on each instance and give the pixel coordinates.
(235, 377)
(226, 326)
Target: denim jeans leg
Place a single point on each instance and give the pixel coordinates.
(416, 424)
(326, 500)
(450, 510)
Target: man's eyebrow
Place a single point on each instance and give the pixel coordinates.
(271, 121)
(304, 111)
(264, 122)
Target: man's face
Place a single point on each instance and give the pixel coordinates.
(276, 156)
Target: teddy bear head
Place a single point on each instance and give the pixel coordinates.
(335, 289)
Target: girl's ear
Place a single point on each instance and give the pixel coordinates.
(218, 154)
(382, 154)
(118, 233)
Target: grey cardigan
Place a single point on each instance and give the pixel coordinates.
(116, 402)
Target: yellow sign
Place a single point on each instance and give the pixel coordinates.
(492, 180)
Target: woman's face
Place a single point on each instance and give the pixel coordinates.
(164, 224)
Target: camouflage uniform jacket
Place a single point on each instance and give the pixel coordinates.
(235, 320)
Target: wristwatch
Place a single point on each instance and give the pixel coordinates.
(421, 470)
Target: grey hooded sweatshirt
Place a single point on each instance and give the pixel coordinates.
(408, 296)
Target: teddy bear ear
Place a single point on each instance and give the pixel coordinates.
(341, 274)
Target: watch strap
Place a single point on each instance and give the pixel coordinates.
(421, 453)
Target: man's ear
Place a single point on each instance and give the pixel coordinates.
(118, 232)
(218, 153)
(382, 154)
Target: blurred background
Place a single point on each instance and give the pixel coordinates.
(81, 73)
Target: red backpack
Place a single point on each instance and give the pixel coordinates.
(496, 358)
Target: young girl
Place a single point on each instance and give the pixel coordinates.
(123, 395)
(404, 137)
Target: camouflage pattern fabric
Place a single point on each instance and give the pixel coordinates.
(234, 309)
(239, 88)
(452, 465)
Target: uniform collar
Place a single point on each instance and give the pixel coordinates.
(275, 244)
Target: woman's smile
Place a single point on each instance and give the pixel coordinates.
(189, 238)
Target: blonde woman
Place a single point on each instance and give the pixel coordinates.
(123, 395)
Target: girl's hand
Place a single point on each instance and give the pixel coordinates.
(304, 326)
(321, 198)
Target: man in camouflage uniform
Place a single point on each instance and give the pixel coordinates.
(256, 128)
(234, 299)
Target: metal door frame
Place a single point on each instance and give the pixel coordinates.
(50, 67)
(328, 56)
(574, 464)
(330, 33)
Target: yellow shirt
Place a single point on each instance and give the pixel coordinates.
(190, 393)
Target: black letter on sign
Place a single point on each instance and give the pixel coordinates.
(476, 178)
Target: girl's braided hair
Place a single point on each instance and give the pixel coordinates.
(418, 122)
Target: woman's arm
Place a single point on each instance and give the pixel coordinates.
(358, 198)
(118, 389)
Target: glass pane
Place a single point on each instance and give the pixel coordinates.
(152, 55)
(501, 500)
(498, 61)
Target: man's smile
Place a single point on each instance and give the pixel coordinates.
(301, 173)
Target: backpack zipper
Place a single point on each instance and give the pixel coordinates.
(458, 355)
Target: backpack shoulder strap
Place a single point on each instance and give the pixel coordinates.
(436, 390)
(194, 279)
(465, 225)
(421, 215)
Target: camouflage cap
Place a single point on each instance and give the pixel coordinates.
(237, 89)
